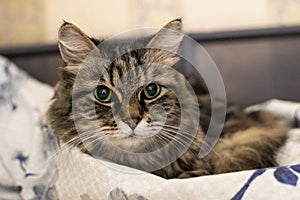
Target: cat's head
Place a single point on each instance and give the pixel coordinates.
(134, 100)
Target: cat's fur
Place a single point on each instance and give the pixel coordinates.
(248, 141)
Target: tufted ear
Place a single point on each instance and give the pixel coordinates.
(74, 45)
(169, 37)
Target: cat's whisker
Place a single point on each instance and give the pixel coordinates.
(162, 138)
(154, 145)
(63, 147)
(202, 142)
(97, 130)
(93, 140)
(181, 134)
(73, 142)
(95, 136)
(171, 137)
(178, 148)
(173, 128)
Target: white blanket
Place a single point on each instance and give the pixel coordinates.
(30, 167)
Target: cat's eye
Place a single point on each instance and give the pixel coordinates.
(103, 94)
(151, 91)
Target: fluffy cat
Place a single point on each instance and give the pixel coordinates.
(114, 109)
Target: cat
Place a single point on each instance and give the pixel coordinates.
(109, 116)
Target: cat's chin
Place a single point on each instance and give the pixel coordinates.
(132, 143)
(129, 143)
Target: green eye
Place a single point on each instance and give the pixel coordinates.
(103, 94)
(151, 91)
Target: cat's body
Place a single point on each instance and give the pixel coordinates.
(98, 110)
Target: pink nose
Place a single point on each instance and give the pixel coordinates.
(132, 123)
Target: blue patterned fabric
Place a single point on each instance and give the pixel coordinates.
(284, 175)
(26, 172)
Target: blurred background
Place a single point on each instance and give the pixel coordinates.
(255, 43)
(37, 21)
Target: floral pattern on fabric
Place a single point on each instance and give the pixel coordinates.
(25, 145)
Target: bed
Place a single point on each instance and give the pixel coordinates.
(256, 66)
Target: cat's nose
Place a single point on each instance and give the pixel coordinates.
(132, 123)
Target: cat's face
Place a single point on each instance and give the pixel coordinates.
(133, 102)
(136, 107)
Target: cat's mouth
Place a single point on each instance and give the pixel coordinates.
(127, 137)
(135, 137)
(132, 136)
(133, 141)
(129, 142)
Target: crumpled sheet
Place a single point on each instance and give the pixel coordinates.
(26, 172)
(32, 166)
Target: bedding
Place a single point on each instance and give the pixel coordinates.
(34, 166)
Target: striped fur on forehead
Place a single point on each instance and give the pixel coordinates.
(121, 66)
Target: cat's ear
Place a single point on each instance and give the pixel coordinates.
(74, 45)
(169, 37)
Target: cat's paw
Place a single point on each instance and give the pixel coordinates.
(195, 173)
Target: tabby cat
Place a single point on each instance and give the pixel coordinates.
(108, 108)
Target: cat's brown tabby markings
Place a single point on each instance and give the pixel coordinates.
(248, 141)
